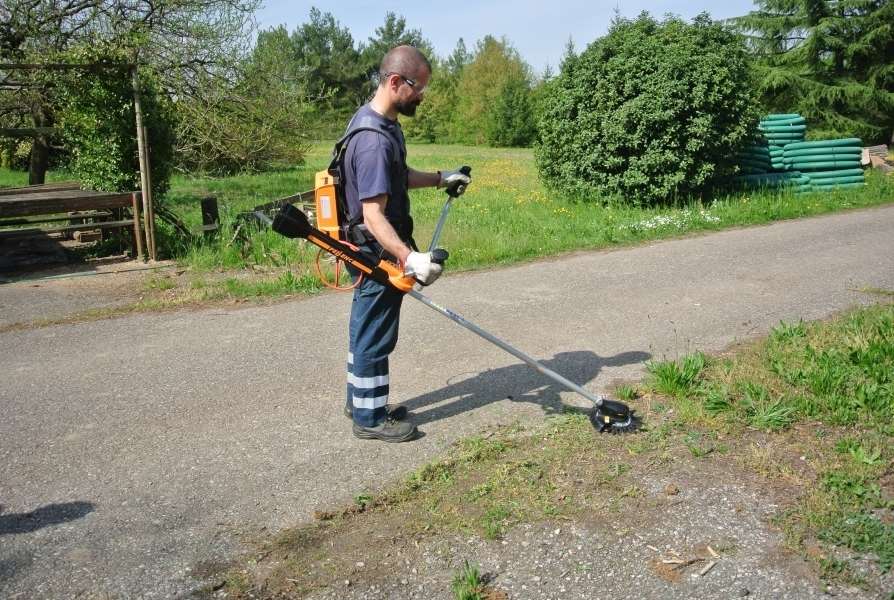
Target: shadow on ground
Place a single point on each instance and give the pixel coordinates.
(51, 514)
(518, 383)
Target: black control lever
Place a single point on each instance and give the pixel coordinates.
(439, 256)
(456, 189)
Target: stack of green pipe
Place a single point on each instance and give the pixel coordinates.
(828, 163)
(776, 156)
(783, 129)
(754, 159)
(773, 180)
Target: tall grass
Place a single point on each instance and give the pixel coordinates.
(506, 216)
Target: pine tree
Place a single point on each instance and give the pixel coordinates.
(394, 32)
(831, 61)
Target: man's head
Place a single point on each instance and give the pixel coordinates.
(403, 76)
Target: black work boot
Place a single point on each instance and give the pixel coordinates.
(388, 430)
(398, 413)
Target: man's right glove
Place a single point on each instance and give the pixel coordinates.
(456, 180)
(420, 266)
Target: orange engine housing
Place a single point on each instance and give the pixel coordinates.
(327, 210)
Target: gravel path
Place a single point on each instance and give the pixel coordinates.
(133, 449)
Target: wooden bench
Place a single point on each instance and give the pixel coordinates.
(64, 201)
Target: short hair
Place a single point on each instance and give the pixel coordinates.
(403, 60)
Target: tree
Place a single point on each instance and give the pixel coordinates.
(647, 113)
(96, 121)
(482, 82)
(511, 121)
(179, 41)
(258, 120)
(831, 61)
(458, 59)
(433, 119)
(393, 32)
(330, 64)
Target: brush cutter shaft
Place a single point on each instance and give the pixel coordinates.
(437, 234)
(608, 415)
(453, 191)
(460, 320)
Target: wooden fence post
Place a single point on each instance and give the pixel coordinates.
(137, 235)
(210, 217)
(145, 182)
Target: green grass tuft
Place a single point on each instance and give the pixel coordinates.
(677, 379)
(467, 584)
(626, 392)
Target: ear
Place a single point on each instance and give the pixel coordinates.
(393, 82)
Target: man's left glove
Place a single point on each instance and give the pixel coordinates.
(421, 266)
(456, 180)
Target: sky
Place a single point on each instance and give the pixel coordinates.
(538, 29)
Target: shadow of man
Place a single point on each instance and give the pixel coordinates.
(519, 383)
(51, 514)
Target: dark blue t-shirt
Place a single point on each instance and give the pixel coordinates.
(371, 167)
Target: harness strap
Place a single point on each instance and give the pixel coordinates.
(353, 228)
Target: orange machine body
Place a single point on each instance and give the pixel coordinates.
(327, 207)
(327, 222)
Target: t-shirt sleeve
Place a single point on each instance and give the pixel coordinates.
(372, 165)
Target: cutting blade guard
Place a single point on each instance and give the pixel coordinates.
(612, 416)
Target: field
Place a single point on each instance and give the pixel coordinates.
(506, 216)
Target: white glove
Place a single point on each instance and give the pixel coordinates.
(456, 178)
(420, 266)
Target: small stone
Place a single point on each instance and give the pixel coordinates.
(557, 531)
(536, 578)
(671, 489)
(347, 582)
(744, 592)
(360, 565)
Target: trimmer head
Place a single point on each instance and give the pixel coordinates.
(614, 417)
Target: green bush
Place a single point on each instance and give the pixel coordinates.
(649, 113)
(99, 131)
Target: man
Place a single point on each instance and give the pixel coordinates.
(376, 179)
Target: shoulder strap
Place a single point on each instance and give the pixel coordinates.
(336, 165)
(358, 124)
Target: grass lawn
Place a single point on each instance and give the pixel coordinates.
(506, 216)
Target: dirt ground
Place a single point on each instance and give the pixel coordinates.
(676, 526)
(60, 292)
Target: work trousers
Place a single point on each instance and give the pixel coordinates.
(372, 335)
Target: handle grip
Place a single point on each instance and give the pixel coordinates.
(439, 256)
(456, 189)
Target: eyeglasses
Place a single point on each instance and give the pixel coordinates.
(409, 82)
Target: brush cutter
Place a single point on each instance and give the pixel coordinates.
(607, 415)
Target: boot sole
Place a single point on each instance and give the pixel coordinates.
(371, 435)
